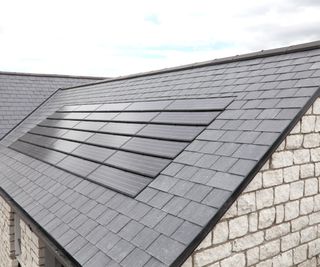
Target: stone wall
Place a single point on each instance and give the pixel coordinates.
(6, 235)
(32, 248)
(276, 220)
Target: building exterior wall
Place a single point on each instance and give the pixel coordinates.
(32, 248)
(276, 220)
(32, 252)
(6, 234)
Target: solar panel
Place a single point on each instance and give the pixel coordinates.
(154, 147)
(122, 146)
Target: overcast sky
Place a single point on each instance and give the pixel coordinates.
(112, 38)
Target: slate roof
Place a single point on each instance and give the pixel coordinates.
(21, 93)
(164, 223)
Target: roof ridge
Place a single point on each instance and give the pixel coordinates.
(50, 75)
(241, 57)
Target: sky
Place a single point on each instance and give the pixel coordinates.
(114, 38)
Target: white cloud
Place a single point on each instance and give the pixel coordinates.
(110, 38)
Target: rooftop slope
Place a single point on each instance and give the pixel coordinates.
(21, 93)
(168, 219)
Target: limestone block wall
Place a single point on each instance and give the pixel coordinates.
(276, 220)
(6, 235)
(32, 248)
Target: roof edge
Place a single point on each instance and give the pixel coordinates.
(30, 74)
(218, 61)
(224, 208)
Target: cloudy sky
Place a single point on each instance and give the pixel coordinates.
(112, 38)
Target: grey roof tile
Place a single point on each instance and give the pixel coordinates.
(136, 258)
(168, 225)
(197, 213)
(153, 217)
(165, 249)
(144, 238)
(186, 232)
(225, 181)
(120, 250)
(216, 198)
(98, 260)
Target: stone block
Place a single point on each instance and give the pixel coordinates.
(291, 210)
(311, 187)
(272, 177)
(296, 190)
(264, 198)
(301, 156)
(238, 227)
(212, 255)
(281, 193)
(269, 249)
(300, 254)
(267, 217)
(291, 174)
(281, 159)
(290, 241)
(220, 233)
(308, 124)
(307, 170)
(294, 141)
(238, 260)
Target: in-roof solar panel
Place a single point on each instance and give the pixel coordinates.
(122, 146)
(77, 135)
(89, 125)
(107, 140)
(93, 152)
(122, 181)
(103, 116)
(65, 146)
(77, 166)
(136, 116)
(59, 123)
(145, 165)
(170, 132)
(122, 128)
(151, 105)
(113, 107)
(169, 149)
(48, 131)
(190, 118)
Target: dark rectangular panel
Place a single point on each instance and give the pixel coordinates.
(88, 107)
(122, 128)
(77, 135)
(77, 166)
(151, 105)
(145, 165)
(126, 182)
(69, 108)
(48, 131)
(65, 146)
(38, 139)
(40, 153)
(93, 152)
(59, 123)
(136, 116)
(155, 147)
(89, 125)
(68, 115)
(108, 140)
(200, 104)
(191, 118)
(75, 116)
(101, 116)
(183, 133)
(113, 107)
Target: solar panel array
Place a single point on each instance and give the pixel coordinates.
(122, 146)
